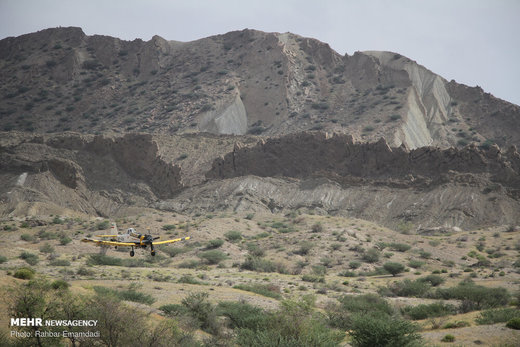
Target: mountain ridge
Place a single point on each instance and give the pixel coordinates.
(245, 121)
(236, 83)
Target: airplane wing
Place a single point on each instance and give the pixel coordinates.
(172, 241)
(110, 243)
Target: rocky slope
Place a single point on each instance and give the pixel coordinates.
(106, 175)
(90, 174)
(241, 82)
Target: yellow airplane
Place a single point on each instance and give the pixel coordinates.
(131, 239)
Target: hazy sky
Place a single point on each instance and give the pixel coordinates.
(474, 42)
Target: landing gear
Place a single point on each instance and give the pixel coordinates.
(132, 253)
(153, 251)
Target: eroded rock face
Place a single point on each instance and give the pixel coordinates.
(229, 119)
(313, 171)
(338, 157)
(87, 173)
(137, 154)
(450, 204)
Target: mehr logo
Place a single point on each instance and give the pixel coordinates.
(37, 322)
(26, 322)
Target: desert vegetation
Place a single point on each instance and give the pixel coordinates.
(343, 280)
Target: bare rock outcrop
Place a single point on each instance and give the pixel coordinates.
(338, 157)
(87, 173)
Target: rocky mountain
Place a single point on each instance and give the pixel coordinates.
(243, 82)
(248, 121)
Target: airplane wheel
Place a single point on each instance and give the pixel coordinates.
(132, 253)
(153, 253)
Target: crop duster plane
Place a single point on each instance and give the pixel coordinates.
(131, 239)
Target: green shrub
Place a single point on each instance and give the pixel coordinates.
(399, 247)
(335, 246)
(262, 265)
(24, 273)
(305, 248)
(189, 264)
(57, 220)
(254, 250)
(130, 294)
(103, 225)
(382, 330)
(212, 244)
(10, 228)
(91, 64)
(135, 296)
(83, 271)
(425, 255)
(65, 240)
(270, 291)
(313, 278)
(213, 256)
(60, 284)
(424, 311)
(293, 324)
(101, 259)
(347, 273)
(317, 228)
(188, 279)
(202, 311)
(242, 315)
(173, 251)
(233, 235)
(394, 268)
(433, 280)
(321, 105)
(340, 316)
(475, 297)
(514, 323)
(279, 225)
(354, 264)
(456, 325)
(448, 338)
(365, 303)
(45, 235)
(415, 263)
(59, 262)
(497, 315)
(174, 310)
(30, 258)
(409, 288)
(405, 227)
(47, 248)
(3, 259)
(168, 227)
(27, 237)
(261, 235)
(371, 256)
